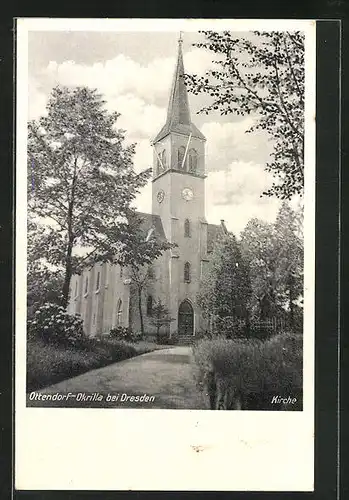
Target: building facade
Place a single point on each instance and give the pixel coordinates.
(105, 295)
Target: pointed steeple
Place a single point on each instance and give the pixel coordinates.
(178, 106)
(178, 112)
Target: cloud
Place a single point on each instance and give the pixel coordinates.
(123, 75)
(139, 119)
(234, 195)
(229, 142)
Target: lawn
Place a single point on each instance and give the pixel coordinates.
(48, 363)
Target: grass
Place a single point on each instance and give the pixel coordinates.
(48, 364)
(252, 367)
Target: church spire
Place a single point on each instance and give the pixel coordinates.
(178, 107)
(178, 112)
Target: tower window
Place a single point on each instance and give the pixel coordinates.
(193, 160)
(149, 305)
(86, 285)
(187, 228)
(181, 153)
(187, 272)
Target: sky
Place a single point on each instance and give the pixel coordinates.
(134, 70)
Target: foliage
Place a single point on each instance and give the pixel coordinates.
(52, 324)
(274, 254)
(43, 284)
(230, 327)
(160, 317)
(253, 368)
(225, 287)
(143, 249)
(167, 338)
(124, 333)
(261, 74)
(81, 180)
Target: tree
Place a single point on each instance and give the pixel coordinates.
(225, 288)
(44, 284)
(81, 180)
(274, 253)
(160, 317)
(290, 260)
(143, 248)
(260, 253)
(262, 75)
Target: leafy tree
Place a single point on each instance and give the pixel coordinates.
(260, 253)
(262, 75)
(225, 287)
(290, 260)
(274, 253)
(160, 317)
(44, 284)
(81, 180)
(141, 251)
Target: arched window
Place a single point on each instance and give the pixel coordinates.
(149, 305)
(193, 160)
(86, 285)
(98, 280)
(119, 313)
(181, 153)
(187, 272)
(187, 228)
(76, 287)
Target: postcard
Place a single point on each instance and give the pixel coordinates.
(165, 215)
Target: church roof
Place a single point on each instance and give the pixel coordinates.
(178, 112)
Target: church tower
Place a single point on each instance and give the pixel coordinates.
(178, 197)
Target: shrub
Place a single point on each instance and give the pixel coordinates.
(124, 333)
(252, 368)
(51, 323)
(164, 338)
(230, 327)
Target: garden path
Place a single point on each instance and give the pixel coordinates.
(167, 374)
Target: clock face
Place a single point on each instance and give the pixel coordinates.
(160, 196)
(187, 194)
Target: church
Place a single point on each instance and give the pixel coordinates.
(104, 295)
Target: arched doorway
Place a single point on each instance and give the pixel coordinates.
(185, 318)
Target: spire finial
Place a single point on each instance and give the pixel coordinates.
(180, 39)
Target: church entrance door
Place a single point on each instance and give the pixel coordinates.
(185, 318)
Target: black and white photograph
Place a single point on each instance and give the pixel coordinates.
(167, 202)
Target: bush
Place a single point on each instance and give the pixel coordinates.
(164, 338)
(254, 369)
(51, 323)
(125, 334)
